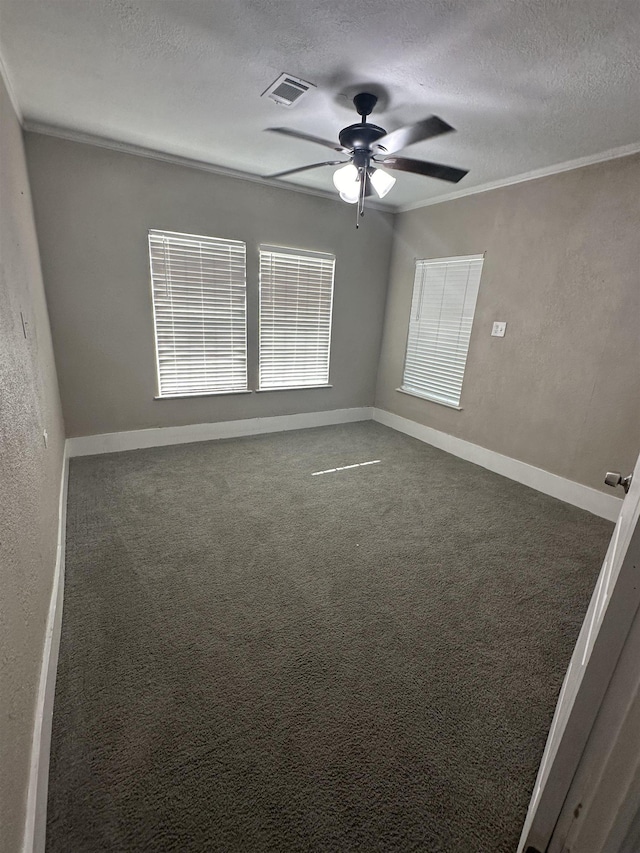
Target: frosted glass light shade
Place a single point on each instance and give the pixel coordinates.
(347, 181)
(382, 182)
(345, 178)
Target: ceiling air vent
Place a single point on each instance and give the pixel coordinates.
(287, 90)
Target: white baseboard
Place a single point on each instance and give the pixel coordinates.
(599, 503)
(36, 814)
(584, 497)
(112, 442)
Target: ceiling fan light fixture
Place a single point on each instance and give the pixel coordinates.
(381, 181)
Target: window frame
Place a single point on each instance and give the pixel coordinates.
(297, 253)
(156, 232)
(432, 398)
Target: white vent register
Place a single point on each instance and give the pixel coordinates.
(287, 90)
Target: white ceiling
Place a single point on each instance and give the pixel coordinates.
(527, 83)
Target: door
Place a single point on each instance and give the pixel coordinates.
(601, 811)
(609, 618)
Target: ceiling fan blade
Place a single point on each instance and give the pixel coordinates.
(418, 132)
(306, 137)
(423, 167)
(304, 168)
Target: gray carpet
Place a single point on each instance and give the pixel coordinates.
(257, 659)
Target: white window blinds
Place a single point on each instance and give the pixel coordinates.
(442, 309)
(200, 313)
(296, 298)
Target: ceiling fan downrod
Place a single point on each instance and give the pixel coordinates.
(364, 104)
(360, 138)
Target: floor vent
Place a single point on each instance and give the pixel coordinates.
(287, 91)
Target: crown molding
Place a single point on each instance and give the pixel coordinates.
(6, 79)
(567, 166)
(178, 160)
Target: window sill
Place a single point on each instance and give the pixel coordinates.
(204, 394)
(247, 391)
(292, 388)
(429, 399)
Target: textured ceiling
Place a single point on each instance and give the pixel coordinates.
(527, 83)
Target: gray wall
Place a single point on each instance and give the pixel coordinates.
(561, 390)
(29, 475)
(93, 209)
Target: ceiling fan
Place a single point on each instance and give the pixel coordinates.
(369, 147)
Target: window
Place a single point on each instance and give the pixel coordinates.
(296, 298)
(200, 313)
(444, 301)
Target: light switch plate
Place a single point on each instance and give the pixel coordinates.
(499, 328)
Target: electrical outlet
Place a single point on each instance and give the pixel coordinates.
(499, 328)
(45, 436)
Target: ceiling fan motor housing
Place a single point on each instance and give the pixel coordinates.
(360, 136)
